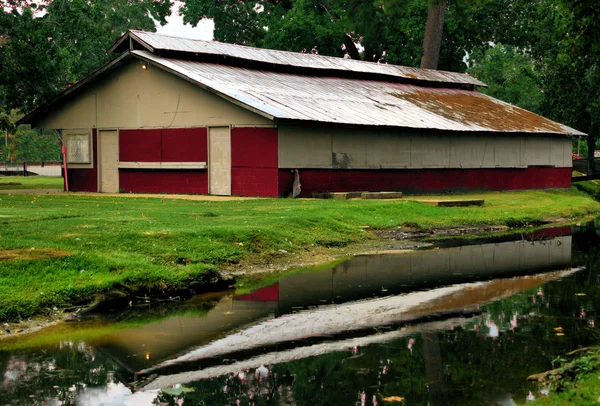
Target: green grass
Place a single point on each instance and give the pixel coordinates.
(59, 249)
(591, 187)
(582, 387)
(30, 182)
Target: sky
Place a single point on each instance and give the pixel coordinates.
(175, 26)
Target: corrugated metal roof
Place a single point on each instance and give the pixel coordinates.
(360, 102)
(156, 42)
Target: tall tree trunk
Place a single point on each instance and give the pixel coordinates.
(433, 33)
(434, 369)
(351, 47)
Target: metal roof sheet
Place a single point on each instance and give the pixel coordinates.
(358, 102)
(155, 42)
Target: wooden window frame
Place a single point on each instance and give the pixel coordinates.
(66, 136)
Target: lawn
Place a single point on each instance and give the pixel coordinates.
(30, 182)
(58, 249)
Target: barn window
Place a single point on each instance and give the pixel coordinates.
(78, 148)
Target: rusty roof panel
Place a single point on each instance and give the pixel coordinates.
(295, 59)
(359, 102)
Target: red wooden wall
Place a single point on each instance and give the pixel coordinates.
(424, 180)
(254, 157)
(168, 145)
(86, 180)
(164, 181)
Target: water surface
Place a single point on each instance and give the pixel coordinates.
(459, 325)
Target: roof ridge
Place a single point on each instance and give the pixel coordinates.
(326, 57)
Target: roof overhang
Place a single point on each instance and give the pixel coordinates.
(34, 116)
(147, 57)
(262, 97)
(286, 61)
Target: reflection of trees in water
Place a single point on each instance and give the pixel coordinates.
(57, 373)
(474, 366)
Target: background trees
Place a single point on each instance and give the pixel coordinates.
(46, 46)
(541, 55)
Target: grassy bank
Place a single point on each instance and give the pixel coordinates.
(59, 249)
(30, 182)
(576, 382)
(590, 187)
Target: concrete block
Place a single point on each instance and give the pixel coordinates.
(461, 203)
(339, 195)
(355, 195)
(381, 195)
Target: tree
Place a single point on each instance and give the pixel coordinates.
(568, 51)
(511, 75)
(434, 29)
(46, 46)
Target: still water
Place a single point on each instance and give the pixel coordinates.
(453, 325)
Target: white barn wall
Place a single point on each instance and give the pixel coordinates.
(136, 98)
(306, 146)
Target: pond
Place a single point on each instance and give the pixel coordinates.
(460, 323)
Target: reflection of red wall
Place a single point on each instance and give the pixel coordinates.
(549, 233)
(170, 145)
(163, 181)
(254, 161)
(424, 180)
(266, 294)
(86, 180)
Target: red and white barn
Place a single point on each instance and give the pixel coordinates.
(176, 115)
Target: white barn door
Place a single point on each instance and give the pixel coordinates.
(109, 161)
(219, 161)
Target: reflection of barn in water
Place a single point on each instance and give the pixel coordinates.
(386, 274)
(361, 277)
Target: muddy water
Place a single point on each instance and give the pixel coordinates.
(463, 324)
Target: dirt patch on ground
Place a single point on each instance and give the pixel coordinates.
(283, 260)
(11, 184)
(29, 254)
(410, 233)
(382, 241)
(9, 330)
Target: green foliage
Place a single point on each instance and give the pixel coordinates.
(30, 145)
(510, 75)
(579, 383)
(46, 46)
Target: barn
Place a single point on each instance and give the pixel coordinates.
(175, 115)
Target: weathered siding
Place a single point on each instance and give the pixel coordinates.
(133, 97)
(424, 180)
(254, 162)
(304, 146)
